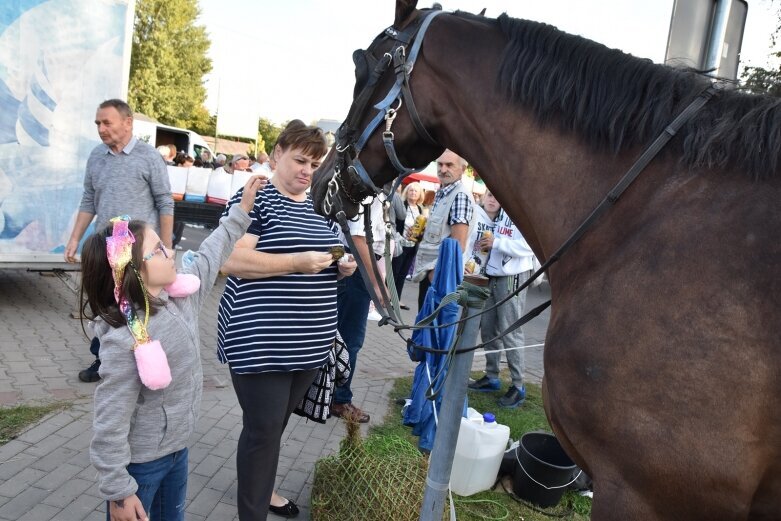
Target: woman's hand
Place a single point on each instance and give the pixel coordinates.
(128, 509)
(254, 183)
(311, 261)
(347, 266)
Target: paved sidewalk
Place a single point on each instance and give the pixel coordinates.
(45, 474)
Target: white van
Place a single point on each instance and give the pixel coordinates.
(156, 134)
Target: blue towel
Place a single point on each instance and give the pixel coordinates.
(447, 276)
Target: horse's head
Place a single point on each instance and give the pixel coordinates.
(375, 142)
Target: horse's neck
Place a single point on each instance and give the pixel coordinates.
(547, 181)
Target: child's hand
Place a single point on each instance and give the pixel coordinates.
(255, 183)
(128, 509)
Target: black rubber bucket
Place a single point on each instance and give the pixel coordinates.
(544, 470)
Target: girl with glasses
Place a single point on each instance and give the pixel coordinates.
(146, 317)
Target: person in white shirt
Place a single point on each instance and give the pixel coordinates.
(262, 165)
(508, 264)
(352, 304)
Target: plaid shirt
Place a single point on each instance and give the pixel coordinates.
(461, 211)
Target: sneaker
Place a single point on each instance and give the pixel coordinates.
(486, 384)
(90, 374)
(514, 397)
(373, 315)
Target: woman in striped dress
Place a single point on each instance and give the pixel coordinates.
(277, 316)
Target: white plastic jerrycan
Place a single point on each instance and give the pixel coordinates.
(481, 445)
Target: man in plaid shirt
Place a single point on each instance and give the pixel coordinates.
(450, 216)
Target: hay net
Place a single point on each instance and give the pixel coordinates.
(380, 478)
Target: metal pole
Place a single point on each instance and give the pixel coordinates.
(216, 119)
(441, 461)
(717, 36)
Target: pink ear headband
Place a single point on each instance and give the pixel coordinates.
(150, 358)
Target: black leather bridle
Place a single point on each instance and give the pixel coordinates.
(349, 142)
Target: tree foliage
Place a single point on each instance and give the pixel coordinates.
(269, 132)
(761, 80)
(168, 63)
(766, 81)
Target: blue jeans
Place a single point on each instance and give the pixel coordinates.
(352, 304)
(162, 486)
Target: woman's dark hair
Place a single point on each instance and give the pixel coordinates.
(198, 162)
(180, 158)
(97, 278)
(310, 140)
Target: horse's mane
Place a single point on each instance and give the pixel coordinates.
(615, 101)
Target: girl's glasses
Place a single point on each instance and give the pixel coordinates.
(160, 248)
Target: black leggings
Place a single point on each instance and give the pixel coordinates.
(401, 265)
(267, 401)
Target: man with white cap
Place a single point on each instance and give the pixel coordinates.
(239, 163)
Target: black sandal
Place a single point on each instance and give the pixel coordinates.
(289, 509)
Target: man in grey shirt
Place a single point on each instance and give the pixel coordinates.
(124, 176)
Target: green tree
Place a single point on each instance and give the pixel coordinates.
(203, 123)
(269, 132)
(761, 80)
(168, 62)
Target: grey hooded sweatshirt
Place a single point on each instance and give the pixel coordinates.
(134, 424)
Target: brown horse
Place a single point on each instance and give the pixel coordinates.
(663, 353)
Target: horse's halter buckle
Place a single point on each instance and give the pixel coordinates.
(390, 115)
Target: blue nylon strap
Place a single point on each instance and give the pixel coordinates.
(364, 175)
(374, 123)
(413, 55)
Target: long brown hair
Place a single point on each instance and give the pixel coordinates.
(97, 278)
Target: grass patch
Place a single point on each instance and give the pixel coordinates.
(14, 420)
(494, 505)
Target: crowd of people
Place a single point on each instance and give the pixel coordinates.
(203, 159)
(292, 299)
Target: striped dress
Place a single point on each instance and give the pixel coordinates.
(283, 323)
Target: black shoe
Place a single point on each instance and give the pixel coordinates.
(486, 384)
(513, 398)
(90, 374)
(289, 509)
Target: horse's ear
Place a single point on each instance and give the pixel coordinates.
(404, 11)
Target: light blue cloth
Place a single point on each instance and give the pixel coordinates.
(448, 274)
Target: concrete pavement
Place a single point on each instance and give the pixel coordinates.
(45, 473)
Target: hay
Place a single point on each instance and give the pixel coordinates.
(379, 478)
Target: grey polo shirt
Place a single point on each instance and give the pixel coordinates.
(133, 182)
